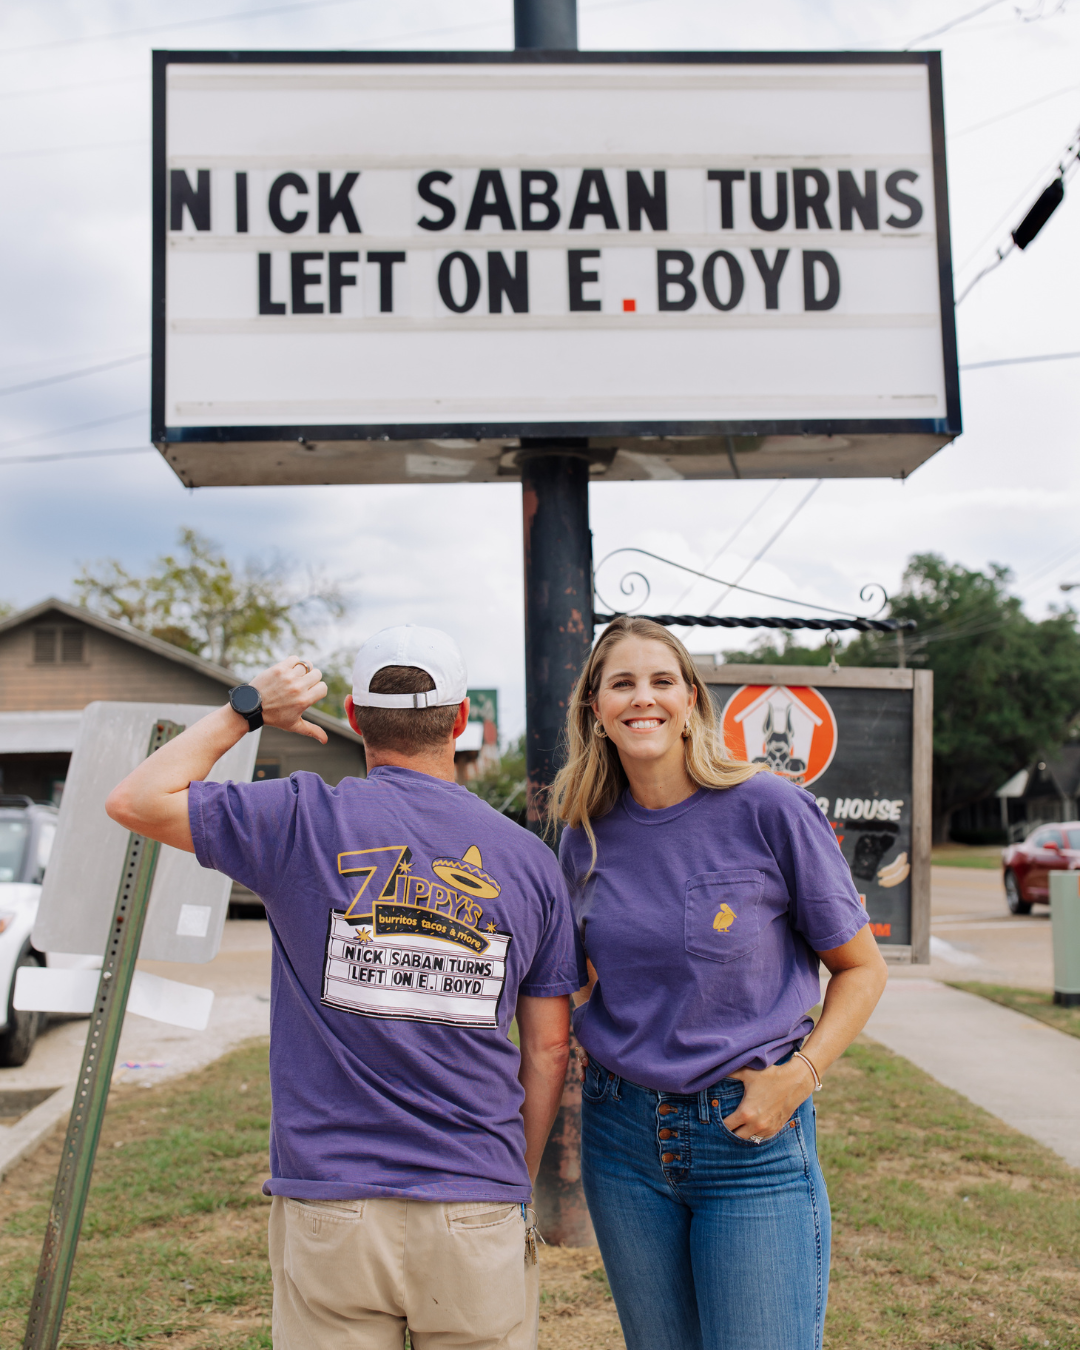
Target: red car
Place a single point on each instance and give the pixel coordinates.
(1028, 865)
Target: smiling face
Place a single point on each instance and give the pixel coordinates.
(644, 701)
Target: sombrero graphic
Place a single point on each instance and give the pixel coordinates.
(467, 874)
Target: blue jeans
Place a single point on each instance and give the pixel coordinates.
(710, 1242)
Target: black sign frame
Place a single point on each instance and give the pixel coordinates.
(163, 435)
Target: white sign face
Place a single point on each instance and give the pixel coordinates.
(188, 903)
(417, 248)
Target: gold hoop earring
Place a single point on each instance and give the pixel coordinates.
(686, 730)
(598, 730)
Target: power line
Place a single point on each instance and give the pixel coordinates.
(75, 454)
(1001, 117)
(734, 586)
(71, 149)
(731, 539)
(953, 23)
(73, 374)
(1011, 360)
(68, 431)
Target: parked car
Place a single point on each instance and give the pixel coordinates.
(1027, 866)
(27, 830)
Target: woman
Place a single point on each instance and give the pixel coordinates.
(705, 892)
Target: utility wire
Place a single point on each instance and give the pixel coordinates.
(68, 431)
(1013, 360)
(734, 586)
(731, 539)
(73, 374)
(75, 454)
(71, 149)
(953, 23)
(1012, 112)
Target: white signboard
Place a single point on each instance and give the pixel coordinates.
(457, 251)
(188, 903)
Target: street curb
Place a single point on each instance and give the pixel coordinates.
(21, 1139)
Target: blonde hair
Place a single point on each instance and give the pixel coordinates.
(592, 778)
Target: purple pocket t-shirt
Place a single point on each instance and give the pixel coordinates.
(703, 921)
(407, 916)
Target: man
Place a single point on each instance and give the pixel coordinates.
(410, 922)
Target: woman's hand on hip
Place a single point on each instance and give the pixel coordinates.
(770, 1098)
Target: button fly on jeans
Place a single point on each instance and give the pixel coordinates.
(669, 1134)
(664, 1109)
(668, 1157)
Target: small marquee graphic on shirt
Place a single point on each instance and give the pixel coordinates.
(792, 729)
(725, 917)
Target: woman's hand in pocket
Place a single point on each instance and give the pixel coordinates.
(770, 1098)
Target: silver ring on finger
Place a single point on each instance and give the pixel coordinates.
(756, 1138)
(307, 668)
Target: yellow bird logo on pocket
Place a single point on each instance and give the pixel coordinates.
(725, 917)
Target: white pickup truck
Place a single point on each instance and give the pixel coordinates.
(27, 830)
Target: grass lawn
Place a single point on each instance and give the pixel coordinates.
(950, 1229)
(979, 860)
(1033, 1002)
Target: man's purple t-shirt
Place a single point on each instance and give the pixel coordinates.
(703, 921)
(407, 916)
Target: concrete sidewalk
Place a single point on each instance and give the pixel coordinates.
(1018, 1069)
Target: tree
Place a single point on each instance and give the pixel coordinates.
(1005, 686)
(503, 787)
(196, 600)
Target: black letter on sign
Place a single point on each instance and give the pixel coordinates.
(639, 199)
(778, 221)
(287, 226)
(892, 187)
(386, 263)
(544, 198)
(770, 275)
(665, 278)
(725, 177)
(339, 279)
(864, 204)
(810, 299)
(584, 205)
(579, 277)
(428, 193)
(266, 304)
(241, 204)
(514, 284)
(498, 206)
(197, 200)
(806, 201)
(301, 280)
(472, 282)
(338, 204)
(735, 279)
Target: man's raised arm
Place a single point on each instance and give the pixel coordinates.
(153, 799)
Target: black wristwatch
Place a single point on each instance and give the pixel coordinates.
(246, 700)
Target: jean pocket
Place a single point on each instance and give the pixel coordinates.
(723, 914)
(728, 1100)
(596, 1084)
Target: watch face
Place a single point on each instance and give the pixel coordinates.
(245, 699)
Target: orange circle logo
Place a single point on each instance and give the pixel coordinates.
(792, 730)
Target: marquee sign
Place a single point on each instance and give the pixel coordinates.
(395, 266)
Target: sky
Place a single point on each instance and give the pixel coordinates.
(75, 283)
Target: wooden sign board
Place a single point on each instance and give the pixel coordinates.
(861, 740)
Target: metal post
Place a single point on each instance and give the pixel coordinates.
(558, 601)
(547, 25)
(102, 1041)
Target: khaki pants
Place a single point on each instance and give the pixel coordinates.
(355, 1273)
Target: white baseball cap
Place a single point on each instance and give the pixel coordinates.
(427, 649)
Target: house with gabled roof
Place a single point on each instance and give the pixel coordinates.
(55, 658)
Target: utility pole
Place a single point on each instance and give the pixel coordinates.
(558, 637)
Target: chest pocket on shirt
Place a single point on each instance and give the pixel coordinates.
(723, 914)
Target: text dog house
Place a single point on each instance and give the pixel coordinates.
(392, 267)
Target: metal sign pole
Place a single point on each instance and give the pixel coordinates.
(558, 636)
(102, 1041)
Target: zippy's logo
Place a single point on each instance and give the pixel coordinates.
(792, 730)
